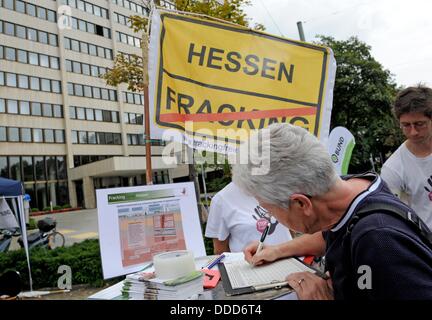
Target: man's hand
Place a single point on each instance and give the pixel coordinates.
(311, 287)
(267, 254)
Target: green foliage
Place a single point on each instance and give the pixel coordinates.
(32, 224)
(34, 209)
(46, 209)
(208, 243)
(57, 207)
(66, 206)
(363, 94)
(83, 258)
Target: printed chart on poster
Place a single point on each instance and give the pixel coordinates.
(135, 223)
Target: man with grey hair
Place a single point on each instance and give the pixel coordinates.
(302, 190)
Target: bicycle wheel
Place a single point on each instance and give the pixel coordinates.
(56, 240)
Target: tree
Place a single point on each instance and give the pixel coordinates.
(362, 99)
(129, 69)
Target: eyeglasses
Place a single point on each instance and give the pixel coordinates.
(418, 125)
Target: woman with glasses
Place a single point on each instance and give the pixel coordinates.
(408, 172)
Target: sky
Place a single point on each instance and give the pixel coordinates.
(398, 31)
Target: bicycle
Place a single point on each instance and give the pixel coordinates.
(47, 236)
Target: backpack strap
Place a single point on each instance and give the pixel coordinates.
(403, 213)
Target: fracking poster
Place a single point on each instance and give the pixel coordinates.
(212, 84)
(135, 223)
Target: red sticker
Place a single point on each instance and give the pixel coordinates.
(261, 224)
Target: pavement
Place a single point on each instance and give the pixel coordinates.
(76, 226)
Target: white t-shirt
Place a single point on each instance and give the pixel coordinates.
(236, 215)
(410, 178)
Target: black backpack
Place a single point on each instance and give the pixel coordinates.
(400, 212)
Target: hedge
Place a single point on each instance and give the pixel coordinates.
(83, 258)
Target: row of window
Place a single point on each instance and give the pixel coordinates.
(119, 18)
(82, 160)
(79, 24)
(127, 39)
(84, 68)
(132, 6)
(132, 118)
(81, 113)
(28, 82)
(133, 98)
(87, 7)
(29, 57)
(91, 137)
(138, 139)
(31, 34)
(31, 108)
(79, 90)
(14, 134)
(37, 168)
(130, 57)
(30, 9)
(87, 48)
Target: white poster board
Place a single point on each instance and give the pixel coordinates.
(135, 223)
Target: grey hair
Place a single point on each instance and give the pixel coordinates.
(298, 163)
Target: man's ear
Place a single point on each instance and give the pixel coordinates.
(302, 202)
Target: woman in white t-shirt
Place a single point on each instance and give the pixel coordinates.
(235, 220)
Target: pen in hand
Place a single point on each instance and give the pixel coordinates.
(263, 236)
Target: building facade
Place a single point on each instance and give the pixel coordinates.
(63, 131)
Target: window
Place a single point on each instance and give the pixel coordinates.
(1, 47)
(108, 54)
(9, 29)
(46, 110)
(109, 138)
(88, 91)
(92, 137)
(81, 5)
(11, 79)
(2, 105)
(107, 33)
(113, 95)
(132, 118)
(34, 83)
(70, 88)
(106, 115)
(31, 34)
(84, 47)
(43, 37)
(51, 16)
(36, 109)
(91, 28)
(72, 113)
(2, 134)
(78, 90)
(101, 52)
(114, 116)
(126, 117)
(27, 163)
(85, 69)
(44, 60)
(89, 8)
(15, 168)
(98, 115)
(75, 45)
(2, 83)
(40, 167)
(33, 58)
(55, 86)
(92, 49)
(51, 168)
(20, 6)
(80, 113)
(74, 136)
(49, 135)
(41, 13)
(54, 63)
(10, 54)
(82, 25)
(57, 111)
(31, 10)
(53, 40)
(74, 23)
(101, 137)
(26, 135)
(94, 71)
(76, 67)
(82, 136)
(129, 97)
(97, 11)
(22, 56)
(96, 92)
(12, 106)
(23, 81)
(67, 43)
(104, 93)
(13, 134)
(45, 85)
(21, 32)
(69, 66)
(89, 114)
(25, 107)
(59, 136)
